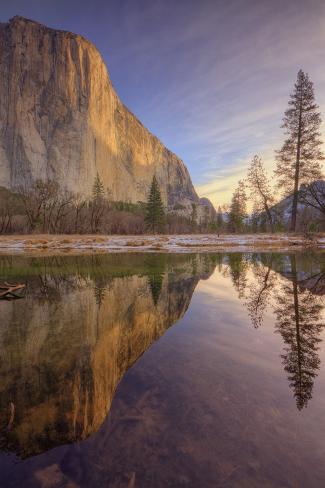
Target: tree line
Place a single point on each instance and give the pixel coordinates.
(43, 207)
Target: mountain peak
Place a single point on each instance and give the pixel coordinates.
(19, 18)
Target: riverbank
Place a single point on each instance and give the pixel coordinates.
(159, 243)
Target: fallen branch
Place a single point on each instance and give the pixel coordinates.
(10, 289)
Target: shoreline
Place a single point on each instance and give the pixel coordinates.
(56, 244)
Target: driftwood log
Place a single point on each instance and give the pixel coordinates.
(9, 290)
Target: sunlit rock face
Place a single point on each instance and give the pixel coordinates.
(65, 347)
(61, 118)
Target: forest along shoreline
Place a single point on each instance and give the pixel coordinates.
(157, 243)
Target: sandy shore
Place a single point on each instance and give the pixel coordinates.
(164, 243)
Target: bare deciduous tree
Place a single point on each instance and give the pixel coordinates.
(260, 189)
(313, 196)
(79, 204)
(45, 205)
(8, 207)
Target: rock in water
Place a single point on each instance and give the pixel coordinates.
(60, 118)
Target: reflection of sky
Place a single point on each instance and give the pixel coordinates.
(220, 300)
(210, 399)
(235, 335)
(210, 78)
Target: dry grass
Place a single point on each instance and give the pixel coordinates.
(135, 243)
(169, 243)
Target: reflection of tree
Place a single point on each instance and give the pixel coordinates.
(298, 321)
(155, 283)
(101, 285)
(297, 310)
(156, 267)
(260, 291)
(238, 266)
(99, 292)
(315, 283)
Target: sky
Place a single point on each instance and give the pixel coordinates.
(210, 78)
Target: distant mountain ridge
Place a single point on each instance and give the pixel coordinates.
(307, 215)
(61, 119)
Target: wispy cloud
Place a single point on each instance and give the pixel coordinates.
(219, 81)
(210, 78)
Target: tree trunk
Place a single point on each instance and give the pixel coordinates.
(296, 185)
(297, 322)
(269, 216)
(295, 202)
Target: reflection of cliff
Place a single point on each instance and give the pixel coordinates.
(67, 345)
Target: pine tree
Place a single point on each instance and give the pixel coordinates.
(194, 217)
(237, 213)
(219, 220)
(98, 189)
(260, 189)
(97, 204)
(298, 161)
(155, 214)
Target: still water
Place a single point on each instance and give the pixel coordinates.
(151, 371)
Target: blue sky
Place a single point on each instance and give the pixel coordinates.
(210, 78)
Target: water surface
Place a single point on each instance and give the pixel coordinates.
(163, 370)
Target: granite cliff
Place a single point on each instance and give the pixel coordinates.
(60, 118)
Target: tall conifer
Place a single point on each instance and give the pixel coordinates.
(298, 161)
(155, 214)
(238, 213)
